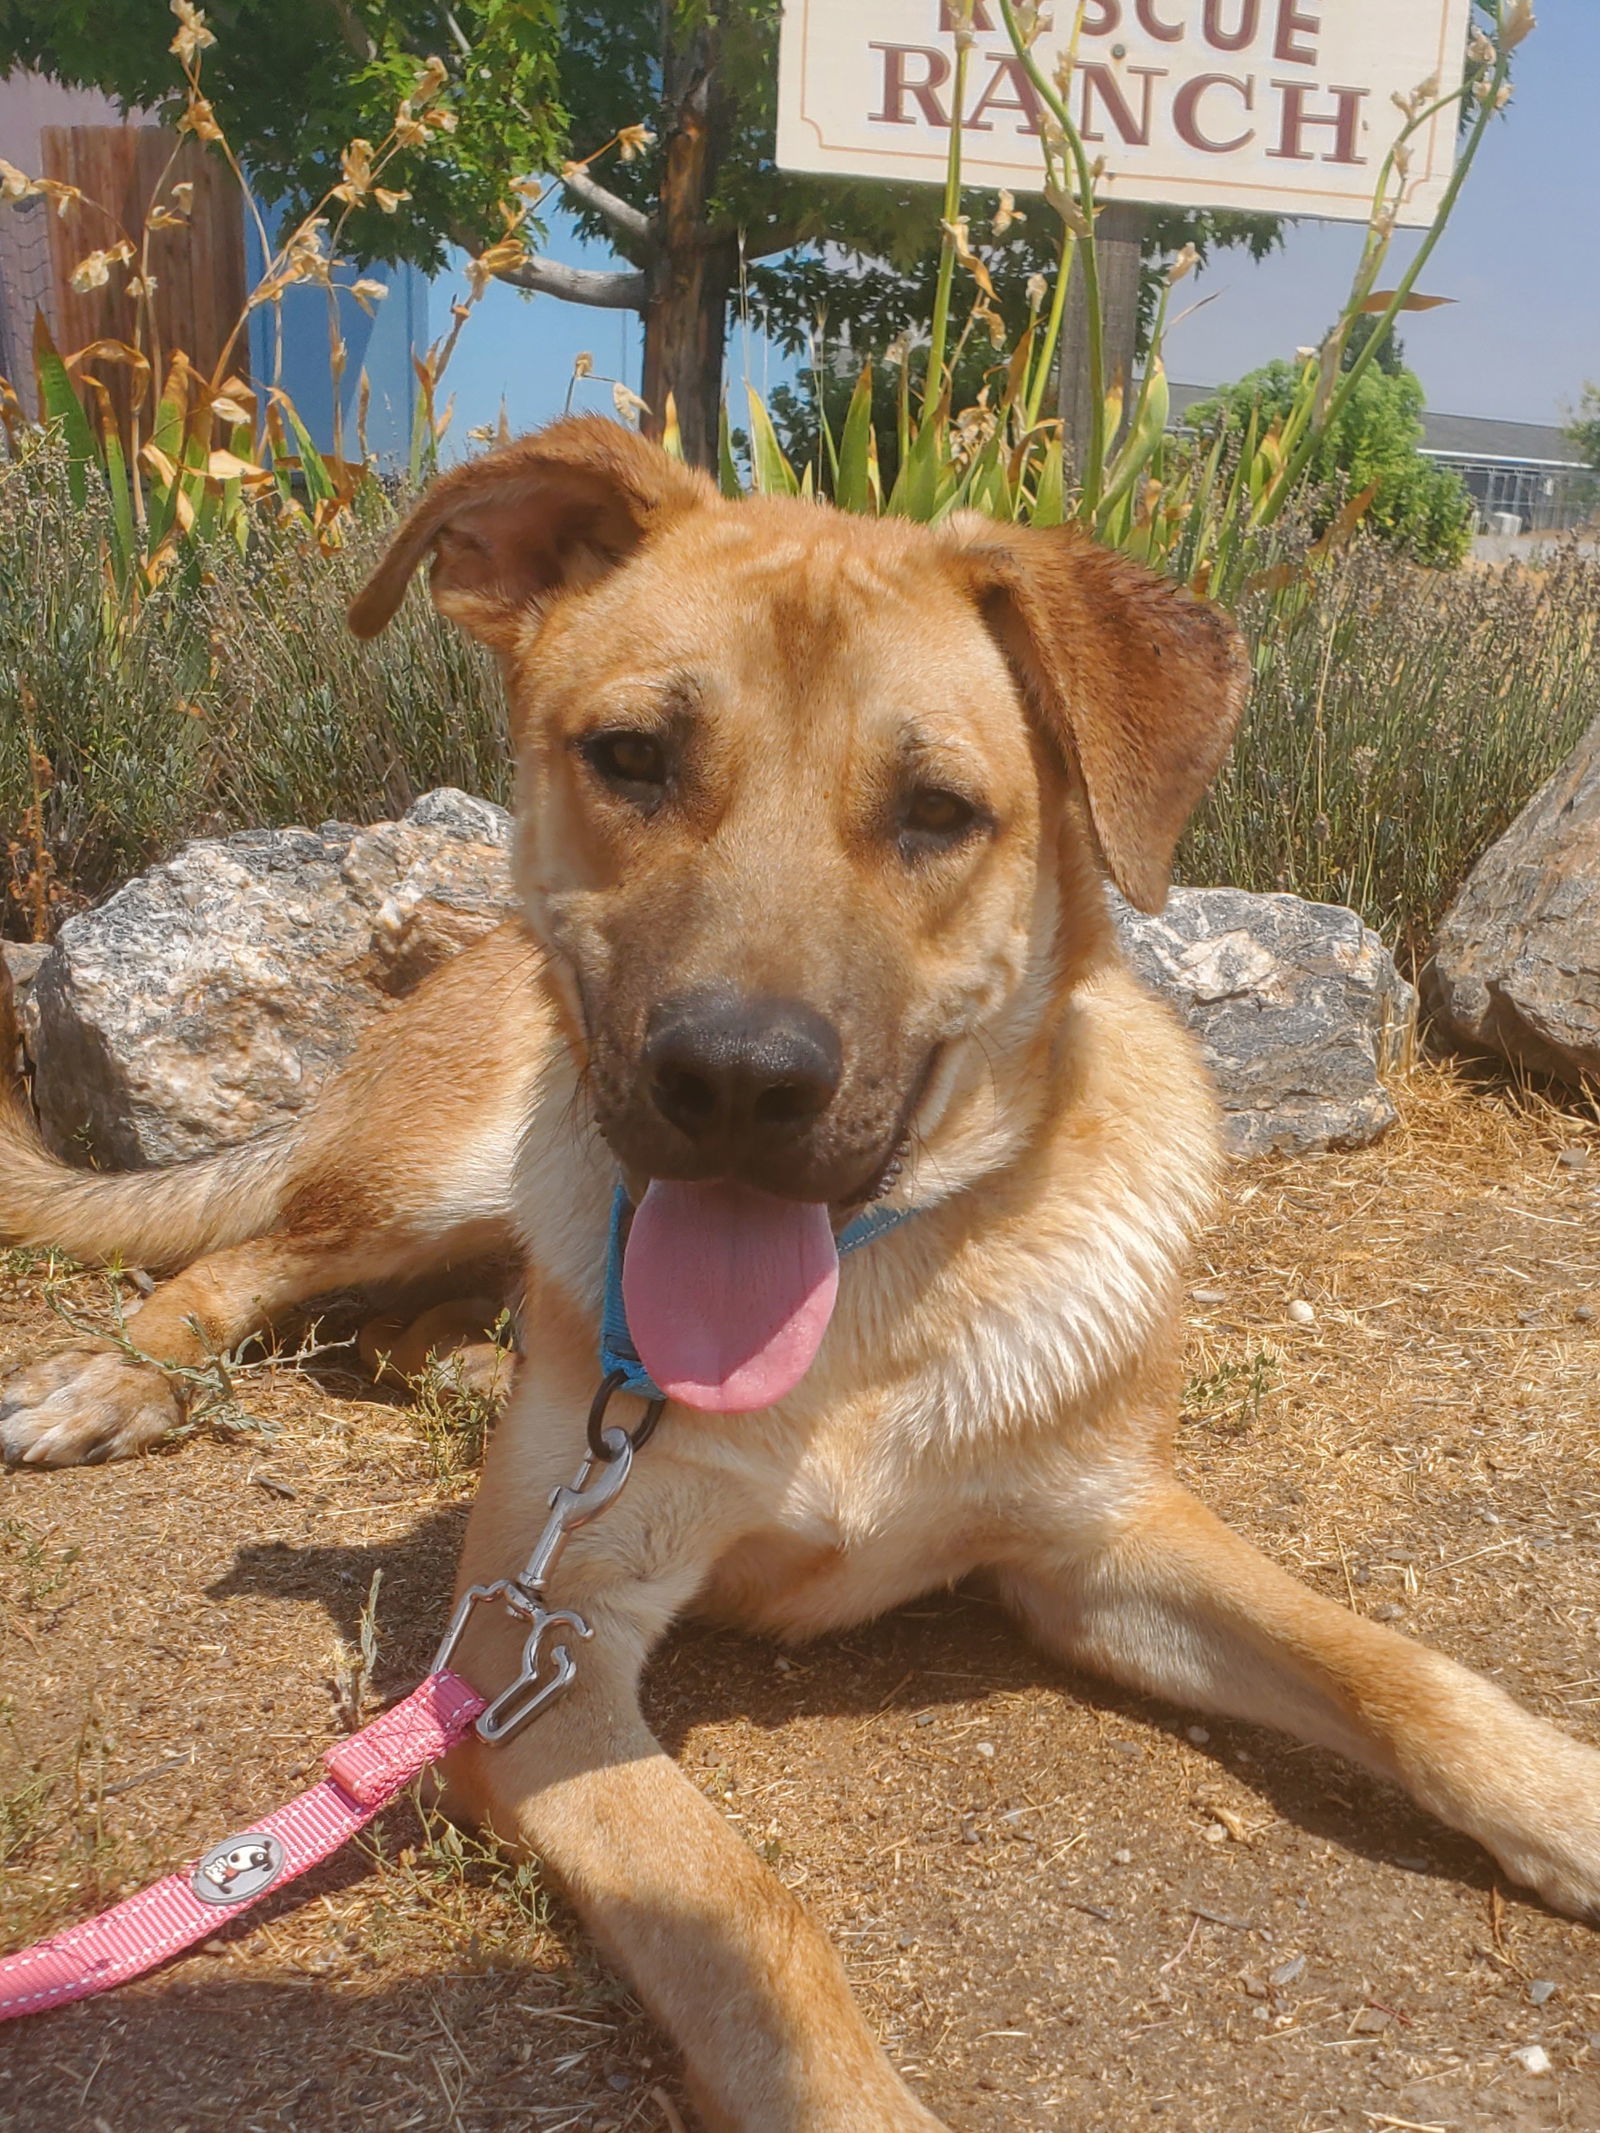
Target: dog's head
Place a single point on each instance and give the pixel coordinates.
(810, 805)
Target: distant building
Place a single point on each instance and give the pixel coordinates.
(1525, 472)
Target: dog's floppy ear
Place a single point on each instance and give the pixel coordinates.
(554, 510)
(1138, 684)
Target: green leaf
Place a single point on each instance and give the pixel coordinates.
(771, 474)
(1049, 502)
(124, 531)
(927, 477)
(59, 401)
(727, 466)
(320, 486)
(855, 483)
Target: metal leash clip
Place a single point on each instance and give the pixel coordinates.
(600, 1479)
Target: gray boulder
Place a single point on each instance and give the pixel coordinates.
(1298, 1006)
(1516, 964)
(211, 997)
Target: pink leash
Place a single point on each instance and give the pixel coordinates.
(365, 1773)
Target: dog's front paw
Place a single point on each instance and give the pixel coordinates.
(83, 1406)
(1553, 1847)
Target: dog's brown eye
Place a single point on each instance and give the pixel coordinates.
(628, 759)
(932, 818)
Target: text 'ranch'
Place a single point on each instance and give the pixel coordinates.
(1197, 102)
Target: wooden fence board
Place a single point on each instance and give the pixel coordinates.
(198, 268)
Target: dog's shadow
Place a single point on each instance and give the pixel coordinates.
(952, 1649)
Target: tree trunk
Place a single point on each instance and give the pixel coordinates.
(686, 315)
(685, 327)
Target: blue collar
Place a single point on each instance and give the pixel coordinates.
(617, 1352)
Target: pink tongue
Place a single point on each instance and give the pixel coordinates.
(728, 1292)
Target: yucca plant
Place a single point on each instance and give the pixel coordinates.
(1195, 509)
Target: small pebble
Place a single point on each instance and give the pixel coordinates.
(783, 1665)
(1584, 1315)
(1261, 2014)
(1302, 1313)
(1129, 1748)
(1542, 1989)
(1199, 1735)
(1573, 1158)
(986, 1750)
(1371, 2022)
(1387, 1611)
(924, 1718)
(1286, 1973)
(1215, 1834)
(1533, 2058)
(1122, 1856)
(619, 2082)
(1209, 1296)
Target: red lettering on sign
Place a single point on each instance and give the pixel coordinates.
(1292, 23)
(1167, 32)
(1186, 112)
(1008, 71)
(950, 16)
(1345, 121)
(898, 84)
(1106, 20)
(1243, 31)
(1099, 81)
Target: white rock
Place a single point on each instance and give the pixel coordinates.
(210, 998)
(1298, 1007)
(1533, 2058)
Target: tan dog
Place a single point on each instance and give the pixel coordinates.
(812, 820)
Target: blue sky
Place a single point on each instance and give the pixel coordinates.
(1521, 259)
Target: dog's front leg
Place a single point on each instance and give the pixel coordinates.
(720, 1952)
(1167, 1598)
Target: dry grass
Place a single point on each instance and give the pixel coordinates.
(1113, 1921)
(1399, 719)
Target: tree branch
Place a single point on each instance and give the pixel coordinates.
(579, 285)
(621, 214)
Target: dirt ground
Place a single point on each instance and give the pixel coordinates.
(1063, 1907)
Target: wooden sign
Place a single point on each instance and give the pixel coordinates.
(1285, 106)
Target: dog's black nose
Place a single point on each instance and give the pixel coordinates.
(732, 1074)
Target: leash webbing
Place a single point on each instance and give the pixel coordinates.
(365, 1773)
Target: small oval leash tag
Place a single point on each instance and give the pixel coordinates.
(238, 1868)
